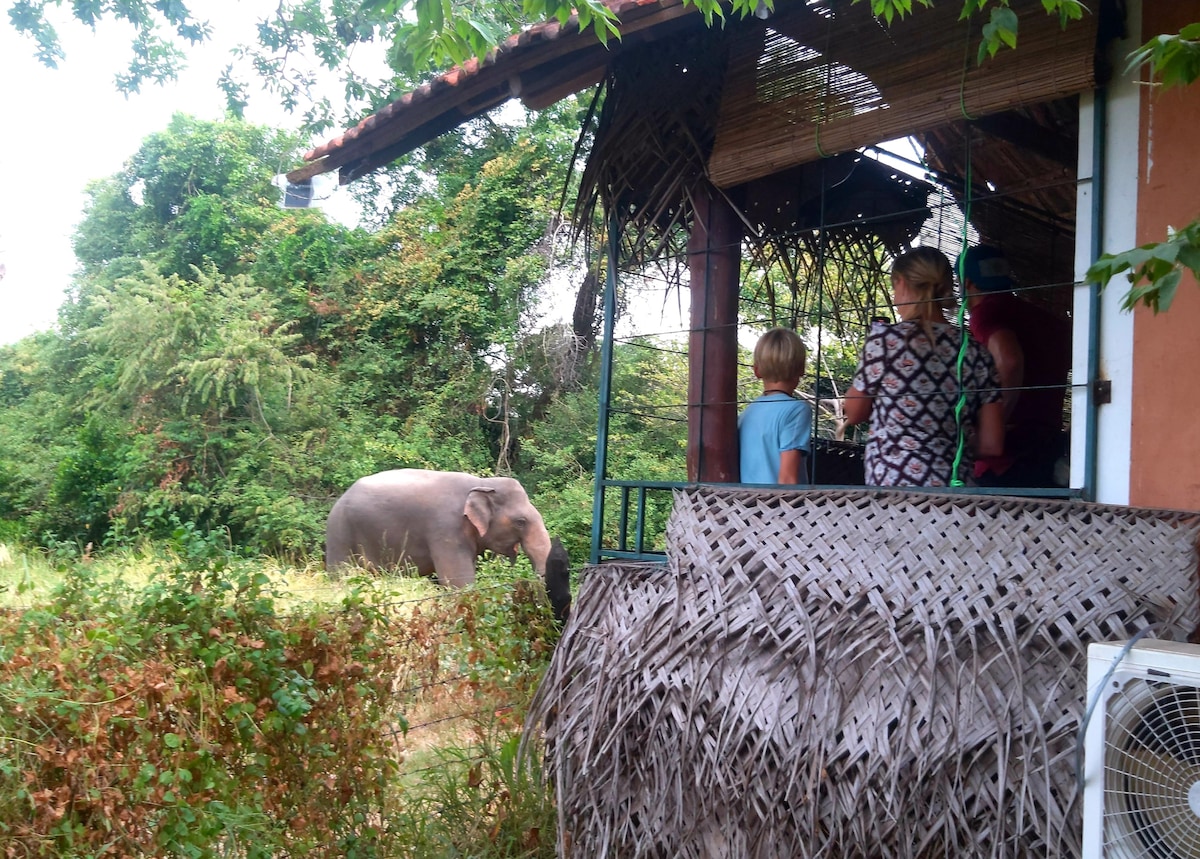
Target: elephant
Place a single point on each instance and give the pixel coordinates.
(437, 522)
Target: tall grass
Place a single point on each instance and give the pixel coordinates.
(26, 577)
(29, 577)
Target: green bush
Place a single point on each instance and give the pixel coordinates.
(471, 793)
(191, 719)
(191, 716)
(487, 801)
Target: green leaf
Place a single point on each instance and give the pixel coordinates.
(1189, 255)
(1166, 251)
(1154, 270)
(1067, 10)
(970, 7)
(1136, 257)
(1005, 21)
(1166, 290)
(1156, 295)
(489, 34)
(1175, 59)
(430, 16)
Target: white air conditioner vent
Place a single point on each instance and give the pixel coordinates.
(1142, 752)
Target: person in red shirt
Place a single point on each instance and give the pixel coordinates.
(1032, 350)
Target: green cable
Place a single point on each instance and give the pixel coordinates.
(962, 81)
(961, 405)
(955, 480)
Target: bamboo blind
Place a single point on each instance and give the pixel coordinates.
(858, 674)
(815, 81)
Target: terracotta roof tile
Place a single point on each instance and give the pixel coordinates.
(514, 51)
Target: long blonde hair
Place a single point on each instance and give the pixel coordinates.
(930, 279)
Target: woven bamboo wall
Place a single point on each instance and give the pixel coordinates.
(849, 674)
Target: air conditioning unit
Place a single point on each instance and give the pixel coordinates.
(1141, 773)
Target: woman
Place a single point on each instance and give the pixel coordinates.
(907, 384)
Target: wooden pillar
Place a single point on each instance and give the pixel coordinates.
(714, 262)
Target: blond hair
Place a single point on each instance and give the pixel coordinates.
(780, 354)
(930, 279)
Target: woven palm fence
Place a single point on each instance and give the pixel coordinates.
(849, 674)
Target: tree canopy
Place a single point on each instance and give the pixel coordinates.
(227, 364)
(305, 39)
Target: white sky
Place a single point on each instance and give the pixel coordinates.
(61, 128)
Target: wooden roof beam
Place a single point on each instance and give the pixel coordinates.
(1013, 128)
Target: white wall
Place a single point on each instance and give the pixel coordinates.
(1120, 181)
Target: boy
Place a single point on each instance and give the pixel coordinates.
(775, 430)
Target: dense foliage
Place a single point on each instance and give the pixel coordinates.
(305, 41)
(232, 365)
(199, 715)
(190, 716)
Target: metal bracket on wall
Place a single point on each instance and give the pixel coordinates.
(1102, 392)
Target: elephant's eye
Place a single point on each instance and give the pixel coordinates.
(521, 521)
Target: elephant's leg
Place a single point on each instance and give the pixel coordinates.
(455, 565)
(336, 553)
(337, 543)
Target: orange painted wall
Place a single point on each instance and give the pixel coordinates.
(1165, 454)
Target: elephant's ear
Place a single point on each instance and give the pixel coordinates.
(478, 509)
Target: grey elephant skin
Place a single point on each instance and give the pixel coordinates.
(436, 522)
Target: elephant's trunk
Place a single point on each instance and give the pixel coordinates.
(536, 544)
(558, 580)
(551, 562)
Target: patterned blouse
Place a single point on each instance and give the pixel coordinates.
(914, 436)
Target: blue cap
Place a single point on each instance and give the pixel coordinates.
(986, 267)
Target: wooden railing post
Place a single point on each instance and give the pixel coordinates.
(714, 262)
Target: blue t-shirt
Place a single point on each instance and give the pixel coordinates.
(767, 427)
